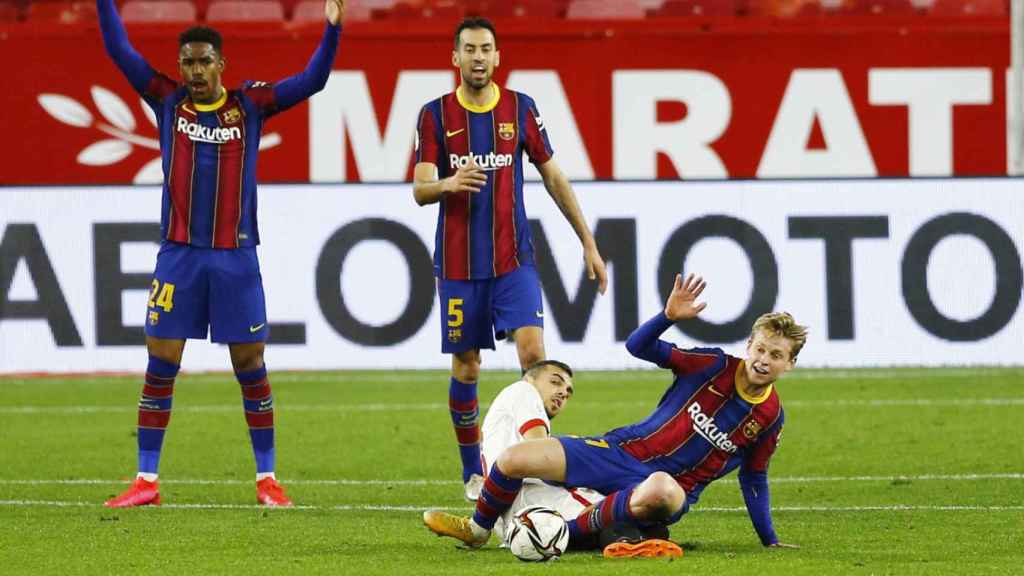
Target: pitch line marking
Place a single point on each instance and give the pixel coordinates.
(437, 406)
(388, 508)
(430, 482)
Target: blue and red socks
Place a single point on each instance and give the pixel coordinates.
(154, 414)
(614, 508)
(259, 414)
(496, 497)
(465, 412)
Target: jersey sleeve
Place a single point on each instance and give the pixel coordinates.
(150, 84)
(428, 137)
(757, 459)
(295, 89)
(753, 477)
(689, 360)
(262, 95)
(535, 135)
(528, 410)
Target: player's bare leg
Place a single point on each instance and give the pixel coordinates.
(154, 415)
(247, 360)
(656, 499)
(543, 458)
(465, 413)
(529, 345)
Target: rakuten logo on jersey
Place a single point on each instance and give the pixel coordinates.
(706, 427)
(489, 162)
(199, 133)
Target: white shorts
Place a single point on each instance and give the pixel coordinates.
(567, 502)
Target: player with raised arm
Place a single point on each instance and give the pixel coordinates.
(719, 414)
(207, 273)
(469, 151)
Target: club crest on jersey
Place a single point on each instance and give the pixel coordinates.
(212, 135)
(154, 318)
(751, 429)
(705, 426)
(232, 116)
(506, 130)
(455, 335)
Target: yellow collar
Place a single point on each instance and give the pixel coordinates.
(741, 377)
(211, 107)
(475, 108)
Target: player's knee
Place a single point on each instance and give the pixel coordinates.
(165, 349)
(514, 462)
(658, 497)
(247, 357)
(466, 366)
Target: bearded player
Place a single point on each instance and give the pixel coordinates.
(469, 161)
(207, 274)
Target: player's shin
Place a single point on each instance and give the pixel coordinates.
(465, 413)
(614, 508)
(154, 414)
(259, 414)
(497, 496)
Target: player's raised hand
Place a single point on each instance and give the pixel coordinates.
(595, 267)
(682, 302)
(470, 178)
(335, 11)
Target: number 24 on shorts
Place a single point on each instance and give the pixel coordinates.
(163, 295)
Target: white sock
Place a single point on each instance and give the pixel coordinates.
(262, 475)
(147, 476)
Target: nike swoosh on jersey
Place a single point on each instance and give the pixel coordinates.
(256, 328)
(455, 133)
(539, 314)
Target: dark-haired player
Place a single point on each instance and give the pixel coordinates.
(207, 274)
(469, 152)
(719, 414)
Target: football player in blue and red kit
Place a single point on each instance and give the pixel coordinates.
(719, 414)
(469, 159)
(207, 274)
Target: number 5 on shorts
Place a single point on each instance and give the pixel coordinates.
(454, 312)
(165, 299)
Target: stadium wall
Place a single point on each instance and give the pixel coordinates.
(622, 101)
(885, 272)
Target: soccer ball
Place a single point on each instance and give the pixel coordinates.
(537, 534)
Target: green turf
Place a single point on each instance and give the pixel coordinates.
(896, 427)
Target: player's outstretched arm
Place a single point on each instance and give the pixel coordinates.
(644, 342)
(753, 478)
(295, 89)
(560, 189)
(115, 40)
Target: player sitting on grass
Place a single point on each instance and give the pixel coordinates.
(523, 411)
(720, 413)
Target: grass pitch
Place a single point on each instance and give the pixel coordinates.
(879, 472)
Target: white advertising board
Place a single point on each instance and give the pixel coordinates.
(885, 272)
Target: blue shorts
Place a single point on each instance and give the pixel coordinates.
(475, 312)
(194, 288)
(603, 466)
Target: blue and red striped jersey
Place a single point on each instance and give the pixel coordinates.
(209, 151)
(703, 427)
(483, 234)
(209, 162)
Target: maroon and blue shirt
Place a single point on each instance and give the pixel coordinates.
(705, 426)
(209, 151)
(483, 234)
